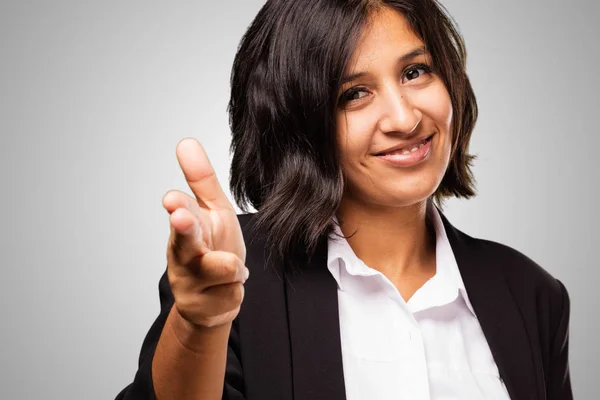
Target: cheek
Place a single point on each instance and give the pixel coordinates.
(435, 102)
(443, 114)
(354, 134)
(437, 106)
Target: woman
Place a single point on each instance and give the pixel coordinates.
(349, 119)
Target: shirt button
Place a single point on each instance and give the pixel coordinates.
(414, 335)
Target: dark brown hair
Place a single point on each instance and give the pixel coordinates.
(284, 85)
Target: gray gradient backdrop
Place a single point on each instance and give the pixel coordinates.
(94, 96)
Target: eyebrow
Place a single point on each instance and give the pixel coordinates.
(419, 51)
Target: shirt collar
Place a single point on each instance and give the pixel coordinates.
(445, 260)
(341, 256)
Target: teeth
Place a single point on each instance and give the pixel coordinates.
(415, 148)
(408, 151)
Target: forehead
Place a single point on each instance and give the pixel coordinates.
(386, 35)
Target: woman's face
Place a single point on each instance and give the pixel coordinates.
(392, 100)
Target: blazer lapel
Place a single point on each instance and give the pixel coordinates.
(312, 304)
(496, 311)
(313, 319)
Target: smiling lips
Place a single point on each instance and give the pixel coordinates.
(409, 155)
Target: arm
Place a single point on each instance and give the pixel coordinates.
(181, 365)
(558, 383)
(186, 352)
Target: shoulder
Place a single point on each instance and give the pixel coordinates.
(539, 295)
(522, 274)
(244, 219)
(250, 230)
(543, 302)
(532, 286)
(518, 267)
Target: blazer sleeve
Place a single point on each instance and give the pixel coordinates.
(142, 387)
(558, 384)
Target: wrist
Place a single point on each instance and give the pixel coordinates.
(196, 338)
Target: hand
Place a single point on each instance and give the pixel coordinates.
(206, 250)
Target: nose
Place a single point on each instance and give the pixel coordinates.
(398, 113)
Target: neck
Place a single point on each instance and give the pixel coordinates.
(398, 242)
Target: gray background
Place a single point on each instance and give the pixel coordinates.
(94, 96)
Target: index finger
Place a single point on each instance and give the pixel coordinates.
(200, 175)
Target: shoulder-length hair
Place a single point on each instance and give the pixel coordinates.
(284, 85)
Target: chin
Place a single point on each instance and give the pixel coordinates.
(396, 188)
(394, 195)
(409, 193)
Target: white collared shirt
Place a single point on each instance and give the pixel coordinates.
(429, 348)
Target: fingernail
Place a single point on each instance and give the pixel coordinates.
(246, 273)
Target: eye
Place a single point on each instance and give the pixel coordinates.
(416, 71)
(355, 93)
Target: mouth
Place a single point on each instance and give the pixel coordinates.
(408, 155)
(407, 148)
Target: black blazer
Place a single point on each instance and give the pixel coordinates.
(285, 342)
